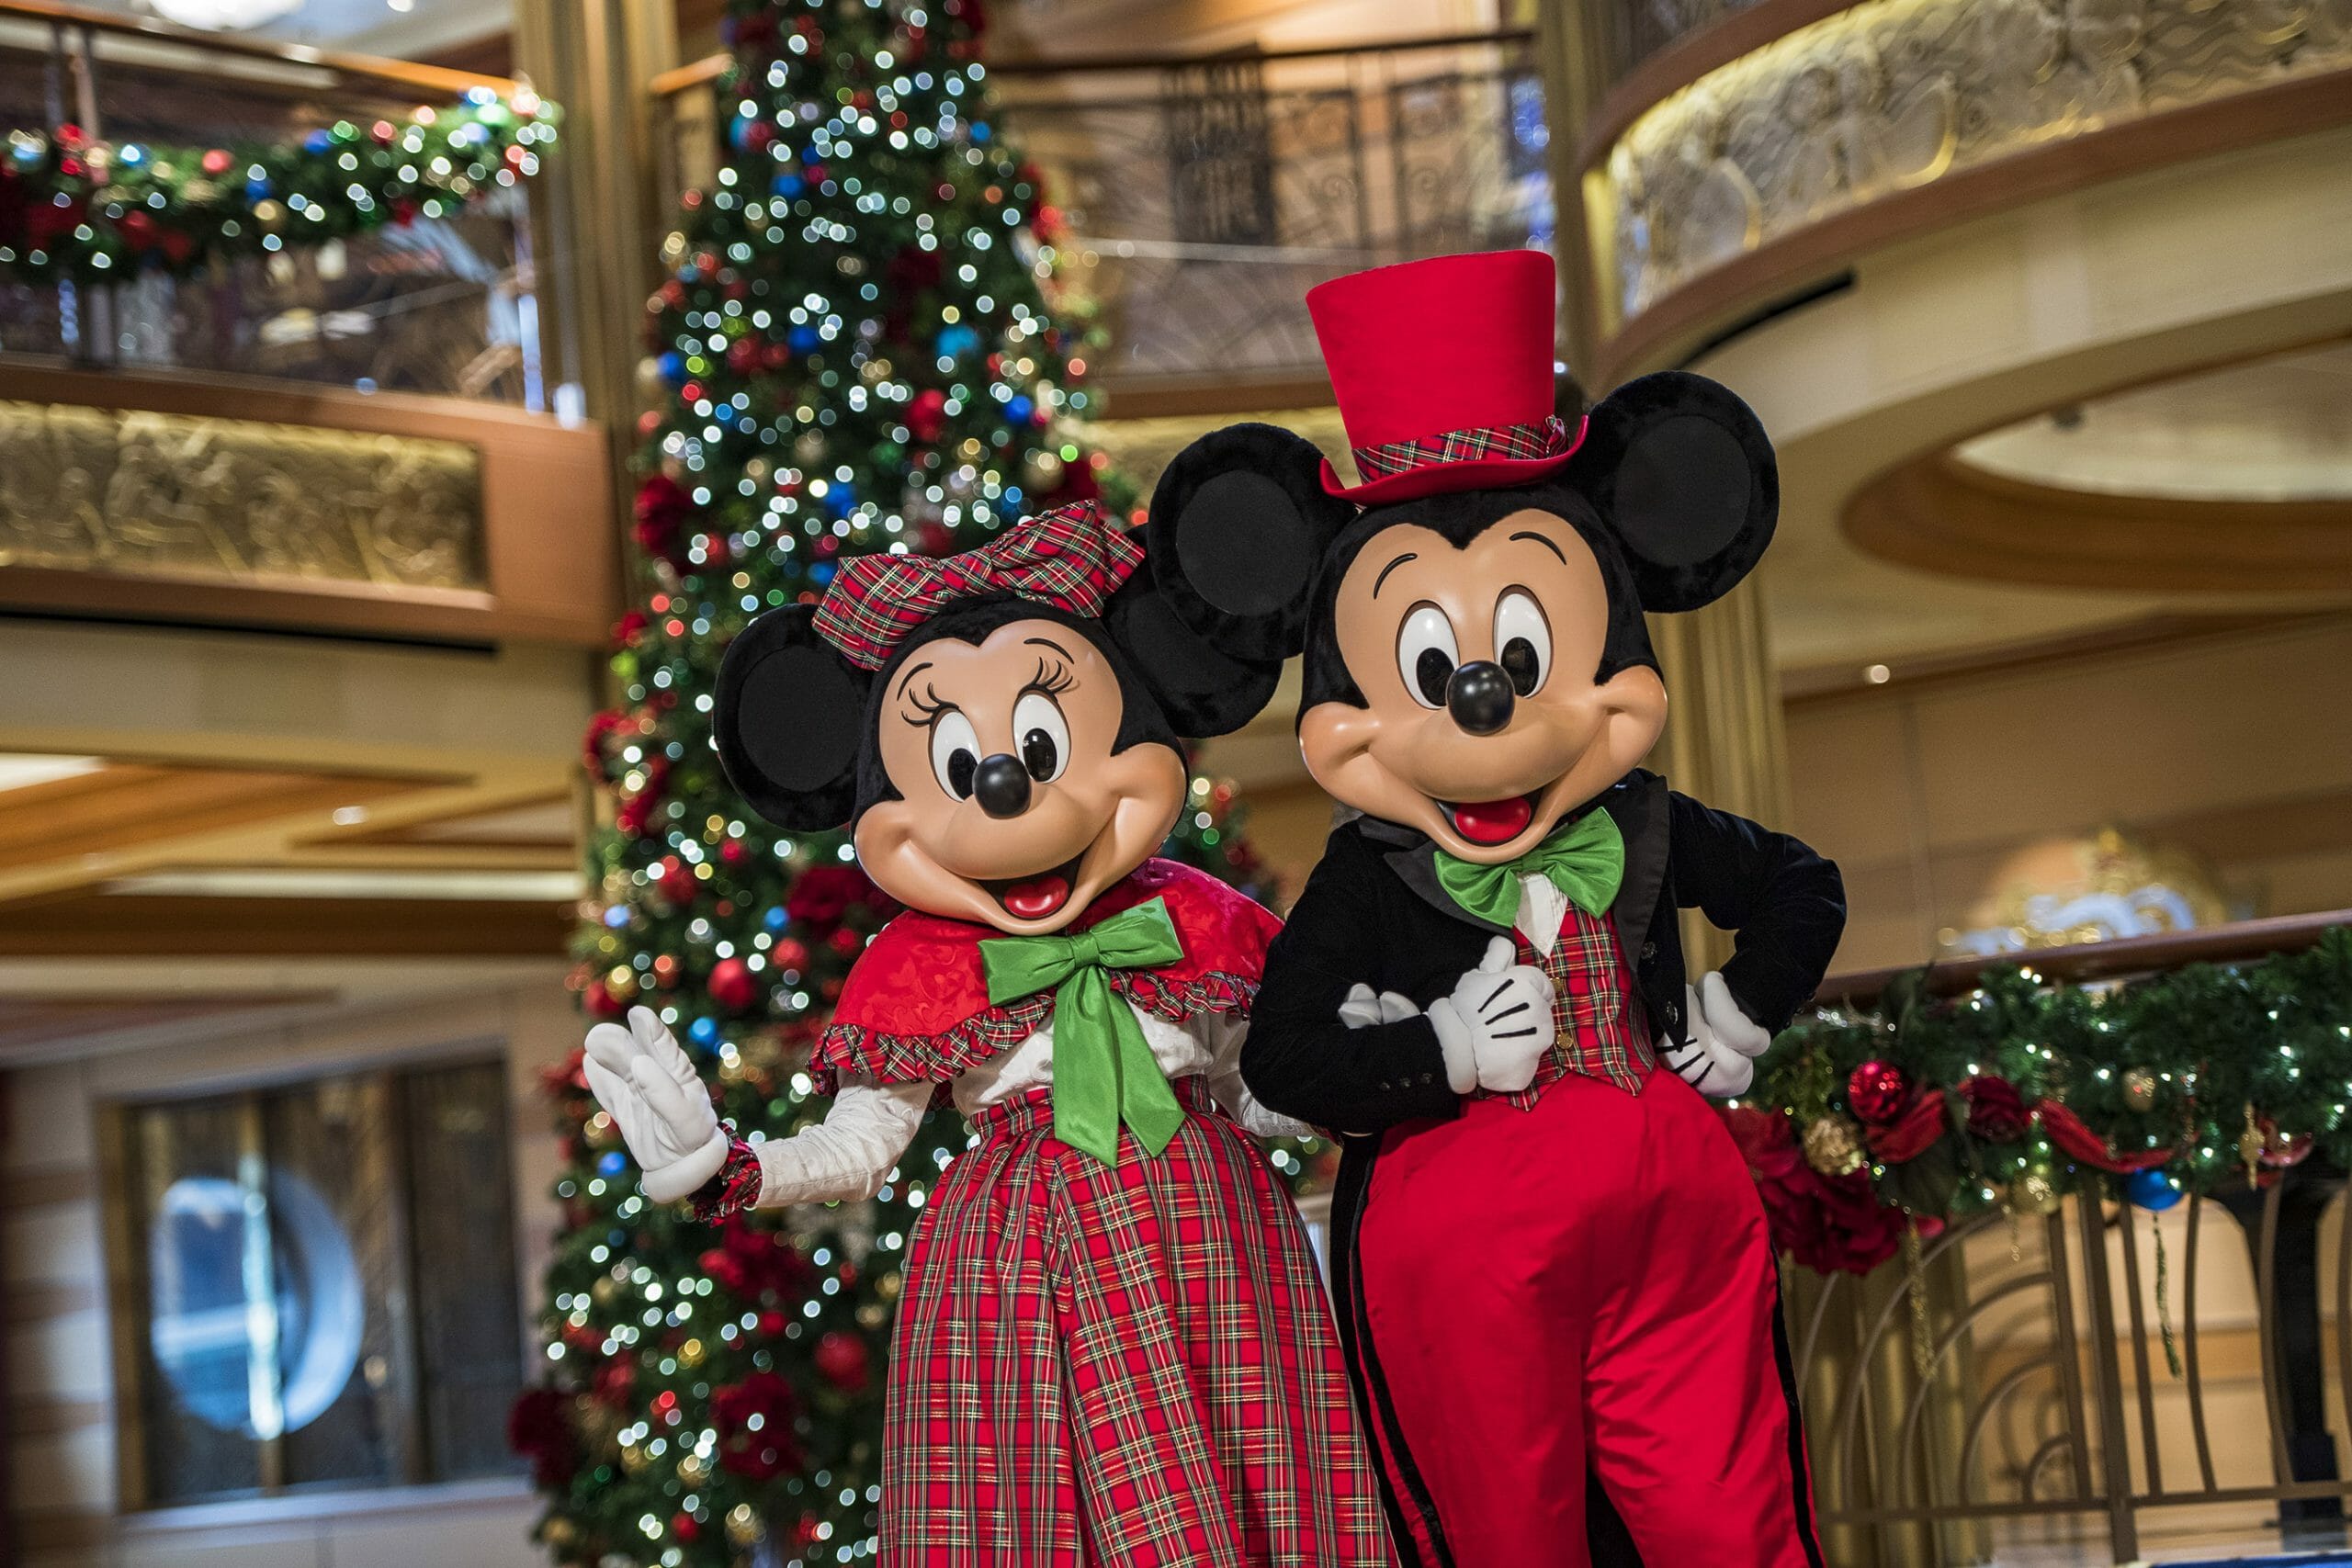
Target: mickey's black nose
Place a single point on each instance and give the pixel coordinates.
(1001, 786)
(1479, 697)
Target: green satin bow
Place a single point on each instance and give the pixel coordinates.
(1104, 1069)
(1586, 860)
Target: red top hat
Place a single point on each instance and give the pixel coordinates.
(1443, 373)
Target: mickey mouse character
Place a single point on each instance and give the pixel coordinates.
(1112, 1348)
(1551, 1261)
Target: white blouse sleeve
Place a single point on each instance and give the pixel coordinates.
(1221, 1033)
(850, 1153)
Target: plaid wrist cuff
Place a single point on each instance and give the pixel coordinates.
(732, 1188)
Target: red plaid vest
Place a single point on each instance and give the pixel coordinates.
(1597, 1007)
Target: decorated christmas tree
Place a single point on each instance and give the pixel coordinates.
(854, 353)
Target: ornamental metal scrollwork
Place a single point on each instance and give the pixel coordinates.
(1887, 96)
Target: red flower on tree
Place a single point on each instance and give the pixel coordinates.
(753, 1419)
(540, 1429)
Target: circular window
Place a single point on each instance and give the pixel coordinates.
(257, 1309)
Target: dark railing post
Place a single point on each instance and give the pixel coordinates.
(2107, 1367)
(2281, 1227)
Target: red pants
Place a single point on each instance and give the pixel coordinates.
(1586, 1286)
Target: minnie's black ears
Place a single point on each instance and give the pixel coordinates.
(790, 711)
(1202, 690)
(1238, 525)
(1684, 475)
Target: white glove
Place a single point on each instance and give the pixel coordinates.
(1497, 1025)
(647, 1085)
(1719, 1059)
(1362, 1010)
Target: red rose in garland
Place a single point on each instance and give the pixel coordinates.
(1828, 1225)
(753, 1419)
(1996, 1111)
(662, 510)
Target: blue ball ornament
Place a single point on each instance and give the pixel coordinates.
(958, 341)
(841, 501)
(672, 367)
(787, 184)
(317, 141)
(257, 190)
(801, 339)
(612, 1162)
(821, 574)
(1019, 410)
(2154, 1191)
(704, 1031)
(775, 919)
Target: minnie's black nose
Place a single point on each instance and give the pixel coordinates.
(1480, 697)
(1001, 786)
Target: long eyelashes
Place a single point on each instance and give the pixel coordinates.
(1053, 678)
(928, 706)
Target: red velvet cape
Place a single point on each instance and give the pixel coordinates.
(916, 1009)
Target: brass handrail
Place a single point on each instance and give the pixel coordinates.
(2101, 960)
(407, 75)
(697, 72)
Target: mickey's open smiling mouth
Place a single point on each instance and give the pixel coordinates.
(1034, 898)
(1490, 822)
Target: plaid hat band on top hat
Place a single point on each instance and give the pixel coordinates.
(1068, 557)
(1548, 439)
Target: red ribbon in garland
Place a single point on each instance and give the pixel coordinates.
(2073, 1136)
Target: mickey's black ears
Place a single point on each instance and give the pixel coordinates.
(1684, 475)
(1203, 691)
(789, 715)
(1238, 526)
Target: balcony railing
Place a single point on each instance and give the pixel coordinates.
(2030, 1404)
(438, 305)
(1202, 197)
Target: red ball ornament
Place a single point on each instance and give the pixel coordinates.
(842, 1360)
(791, 954)
(734, 851)
(1877, 1090)
(733, 985)
(847, 942)
(601, 1002)
(216, 162)
(684, 1528)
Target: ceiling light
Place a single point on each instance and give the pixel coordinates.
(1877, 675)
(222, 16)
(350, 815)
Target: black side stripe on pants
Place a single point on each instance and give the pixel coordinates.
(1800, 1467)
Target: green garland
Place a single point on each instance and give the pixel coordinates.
(98, 211)
(2206, 1079)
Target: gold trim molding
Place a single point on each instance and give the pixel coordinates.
(1897, 95)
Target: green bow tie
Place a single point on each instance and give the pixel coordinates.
(1586, 860)
(1104, 1069)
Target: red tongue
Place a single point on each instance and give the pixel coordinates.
(1493, 821)
(1039, 896)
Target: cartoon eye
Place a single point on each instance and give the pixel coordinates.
(1522, 642)
(1044, 735)
(955, 752)
(1426, 654)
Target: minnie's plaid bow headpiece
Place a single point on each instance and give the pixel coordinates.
(1068, 557)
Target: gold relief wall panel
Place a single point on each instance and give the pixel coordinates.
(1897, 94)
(138, 494)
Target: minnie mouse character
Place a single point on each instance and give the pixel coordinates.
(1113, 1347)
(1552, 1263)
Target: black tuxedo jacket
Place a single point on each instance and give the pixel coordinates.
(1373, 913)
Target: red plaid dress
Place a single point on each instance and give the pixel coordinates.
(1130, 1367)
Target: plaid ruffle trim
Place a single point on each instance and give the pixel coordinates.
(733, 1188)
(1548, 439)
(940, 1058)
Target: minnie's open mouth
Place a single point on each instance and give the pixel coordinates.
(1490, 822)
(1034, 898)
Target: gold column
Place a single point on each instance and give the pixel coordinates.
(603, 219)
(1725, 742)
